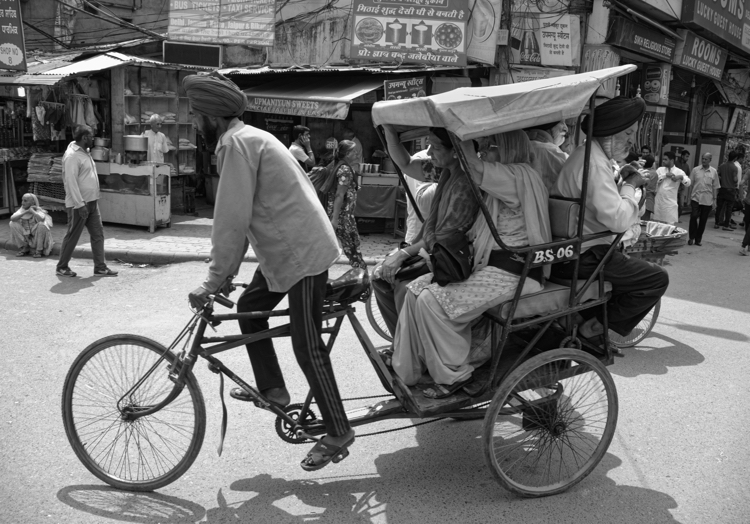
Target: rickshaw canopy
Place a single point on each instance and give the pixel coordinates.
(471, 112)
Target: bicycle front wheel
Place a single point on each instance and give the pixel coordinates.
(640, 331)
(143, 454)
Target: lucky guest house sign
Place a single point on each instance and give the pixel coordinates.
(727, 19)
(12, 49)
(699, 55)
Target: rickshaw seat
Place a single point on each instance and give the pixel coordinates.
(563, 218)
(349, 287)
(550, 299)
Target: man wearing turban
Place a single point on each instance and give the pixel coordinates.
(637, 285)
(266, 200)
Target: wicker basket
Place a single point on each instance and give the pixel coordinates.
(655, 247)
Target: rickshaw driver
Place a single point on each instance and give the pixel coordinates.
(265, 199)
(637, 285)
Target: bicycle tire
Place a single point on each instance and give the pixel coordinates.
(640, 331)
(376, 319)
(521, 437)
(140, 455)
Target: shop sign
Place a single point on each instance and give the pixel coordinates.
(699, 55)
(246, 22)
(543, 35)
(529, 74)
(422, 31)
(727, 19)
(555, 37)
(641, 39)
(656, 85)
(12, 47)
(299, 107)
(405, 88)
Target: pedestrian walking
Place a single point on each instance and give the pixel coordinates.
(704, 187)
(666, 207)
(727, 194)
(82, 203)
(266, 200)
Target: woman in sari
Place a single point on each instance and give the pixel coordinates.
(435, 324)
(30, 228)
(341, 196)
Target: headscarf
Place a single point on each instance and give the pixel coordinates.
(615, 115)
(214, 95)
(27, 214)
(328, 182)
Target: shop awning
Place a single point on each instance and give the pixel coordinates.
(318, 98)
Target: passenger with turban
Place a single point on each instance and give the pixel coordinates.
(636, 285)
(266, 200)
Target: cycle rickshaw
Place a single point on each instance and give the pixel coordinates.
(134, 412)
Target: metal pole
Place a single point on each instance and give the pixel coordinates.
(414, 205)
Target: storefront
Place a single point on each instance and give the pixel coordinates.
(329, 103)
(115, 94)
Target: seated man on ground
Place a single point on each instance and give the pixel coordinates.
(637, 285)
(434, 331)
(30, 228)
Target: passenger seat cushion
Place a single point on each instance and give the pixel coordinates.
(550, 299)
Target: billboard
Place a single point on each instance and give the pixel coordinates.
(244, 22)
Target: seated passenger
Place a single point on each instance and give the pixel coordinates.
(30, 228)
(435, 324)
(453, 209)
(547, 158)
(637, 284)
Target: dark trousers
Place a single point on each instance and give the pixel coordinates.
(746, 239)
(390, 298)
(305, 318)
(724, 206)
(637, 286)
(698, 218)
(93, 224)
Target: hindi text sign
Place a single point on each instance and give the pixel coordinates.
(245, 22)
(404, 88)
(12, 48)
(421, 31)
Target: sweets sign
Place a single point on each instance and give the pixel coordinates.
(246, 22)
(422, 31)
(405, 88)
(12, 48)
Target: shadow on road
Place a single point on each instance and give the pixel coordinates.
(711, 332)
(648, 359)
(125, 506)
(70, 285)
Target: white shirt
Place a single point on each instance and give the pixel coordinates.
(739, 173)
(666, 208)
(298, 152)
(79, 177)
(607, 207)
(157, 145)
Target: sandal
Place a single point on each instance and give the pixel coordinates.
(437, 391)
(387, 356)
(23, 253)
(323, 454)
(37, 254)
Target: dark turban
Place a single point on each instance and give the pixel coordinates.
(615, 115)
(214, 95)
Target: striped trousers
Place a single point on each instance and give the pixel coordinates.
(306, 319)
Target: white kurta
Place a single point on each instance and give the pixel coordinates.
(157, 145)
(666, 208)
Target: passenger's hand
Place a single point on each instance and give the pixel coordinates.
(390, 266)
(335, 223)
(198, 298)
(83, 212)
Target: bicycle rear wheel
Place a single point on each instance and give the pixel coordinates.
(137, 455)
(376, 319)
(640, 331)
(550, 422)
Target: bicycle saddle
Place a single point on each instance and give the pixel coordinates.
(349, 287)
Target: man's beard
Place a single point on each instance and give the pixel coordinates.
(209, 132)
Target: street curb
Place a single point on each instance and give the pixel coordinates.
(157, 258)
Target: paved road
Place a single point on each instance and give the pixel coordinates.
(680, 452)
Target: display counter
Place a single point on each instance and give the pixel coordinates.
(138, 195)
(376, 201)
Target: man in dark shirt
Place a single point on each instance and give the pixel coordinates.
(683, 162)
(725, 199)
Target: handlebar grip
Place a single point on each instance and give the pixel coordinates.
(224, 301)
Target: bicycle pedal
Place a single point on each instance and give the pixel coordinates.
(341, 456)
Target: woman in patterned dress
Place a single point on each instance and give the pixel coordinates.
(341, 200)
(434, 331)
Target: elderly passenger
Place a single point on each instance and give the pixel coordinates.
(453, 209)
(547, 158)
(435, 325)
(637, 284)
(30, 228)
